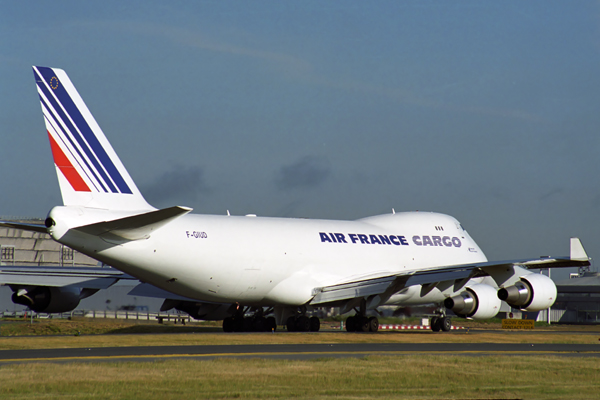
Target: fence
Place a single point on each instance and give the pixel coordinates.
(127, 315)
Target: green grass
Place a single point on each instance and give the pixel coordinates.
(374, 377)
(86, 326)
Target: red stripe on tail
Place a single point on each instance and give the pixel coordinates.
(67, 169)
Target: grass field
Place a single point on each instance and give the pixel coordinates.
(371, 377)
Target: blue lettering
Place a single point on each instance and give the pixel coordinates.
(340, 238)
(324, 237)
(332, 238)
(403, 240)
(456, 242)
(437, 241)
(353, 237)
(394, 240)
(384, 239)
(363, 239)
(374, 239)
(417, 241)
(447, 241)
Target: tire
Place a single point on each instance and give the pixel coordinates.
(363, 324)
(247, 324)
(445, 324)
(435, 324)
(228, 325)
(259, 324)
(303, 324)
(350, 324)
(314, 324)
(291, 324)
(373, 324)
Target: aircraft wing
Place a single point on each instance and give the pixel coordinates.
(388, 285)
(88, 277)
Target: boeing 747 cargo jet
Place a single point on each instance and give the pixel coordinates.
(256, 272)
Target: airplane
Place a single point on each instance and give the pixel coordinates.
(257, 273)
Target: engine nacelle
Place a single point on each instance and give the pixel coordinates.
(477, 301)
(534, 292)
(45, 299)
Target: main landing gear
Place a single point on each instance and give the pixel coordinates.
(441, 322)
(358, 323)
(302, 323)
(256, 323)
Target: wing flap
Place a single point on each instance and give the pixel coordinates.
(363, 288)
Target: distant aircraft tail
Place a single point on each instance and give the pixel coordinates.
(89, 171)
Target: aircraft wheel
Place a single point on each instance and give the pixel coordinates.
(271, 324)
(228, 324)
(238, 324)
(435, 324)
(445, 324)
(363, 324)
(247, 325)
(259, 324)
(373, 324)
(303, 324)
(351, 324)
(315, 324)
(291, 324)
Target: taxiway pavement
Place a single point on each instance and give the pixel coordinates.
(292, 351)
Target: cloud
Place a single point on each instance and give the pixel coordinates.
(178, 184)
(195, 39)
(551, 194)
(308, 172)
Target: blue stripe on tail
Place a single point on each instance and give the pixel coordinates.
(97, 152)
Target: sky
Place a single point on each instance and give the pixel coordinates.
(483, 110)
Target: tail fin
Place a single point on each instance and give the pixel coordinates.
(89, 171)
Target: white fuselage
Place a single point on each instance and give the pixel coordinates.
(272, 261)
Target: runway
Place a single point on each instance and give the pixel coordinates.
(293, 351)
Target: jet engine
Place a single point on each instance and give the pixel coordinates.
(534, 292)
(478, 301)
(45, 299)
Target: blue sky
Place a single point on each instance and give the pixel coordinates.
(482, 110)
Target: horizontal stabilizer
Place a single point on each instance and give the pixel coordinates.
(25, 227)
(135, 227)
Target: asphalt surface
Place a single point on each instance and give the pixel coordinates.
(292, 351)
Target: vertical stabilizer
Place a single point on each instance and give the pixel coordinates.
(90, 173)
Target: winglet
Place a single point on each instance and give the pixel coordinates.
(135, 227)
(577, 250)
